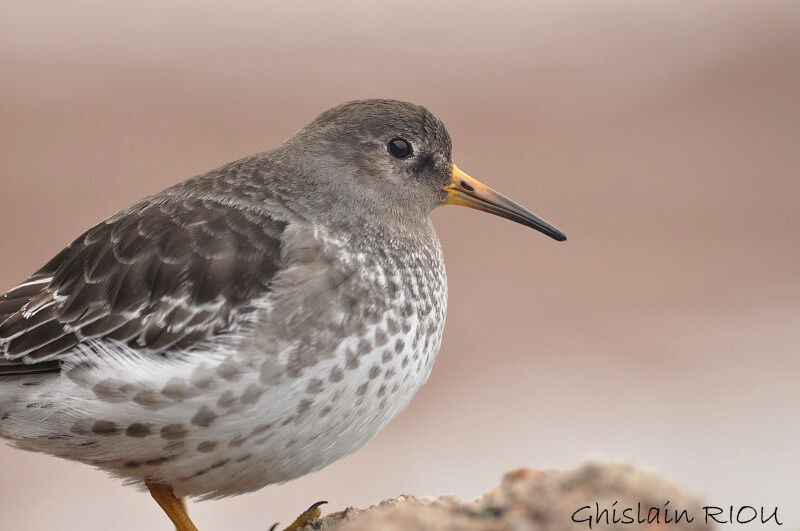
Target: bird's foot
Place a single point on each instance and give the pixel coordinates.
(312, 512)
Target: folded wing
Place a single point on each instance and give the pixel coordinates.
(160, 275)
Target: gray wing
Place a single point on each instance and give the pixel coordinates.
(160, 275)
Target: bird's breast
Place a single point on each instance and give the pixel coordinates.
(345, 301)
(343, 346)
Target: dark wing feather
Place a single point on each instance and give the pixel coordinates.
(159, 275)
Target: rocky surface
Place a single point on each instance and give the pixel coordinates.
(538, 500)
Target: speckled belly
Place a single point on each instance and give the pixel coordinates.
(321, 399)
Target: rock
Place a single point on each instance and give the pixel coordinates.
(538, 500)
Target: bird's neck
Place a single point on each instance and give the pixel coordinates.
(375, 233)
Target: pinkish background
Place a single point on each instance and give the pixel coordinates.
(663, 137)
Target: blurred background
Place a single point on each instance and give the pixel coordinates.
(661, 136)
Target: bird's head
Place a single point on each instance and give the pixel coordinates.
(394, 159)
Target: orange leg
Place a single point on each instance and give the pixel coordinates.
(312, 512)
(174, 507)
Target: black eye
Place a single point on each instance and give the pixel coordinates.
(400, 148)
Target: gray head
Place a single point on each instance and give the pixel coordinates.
(389, 160)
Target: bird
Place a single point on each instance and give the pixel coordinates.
(249, 325)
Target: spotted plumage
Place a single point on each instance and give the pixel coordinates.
(249, 325)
